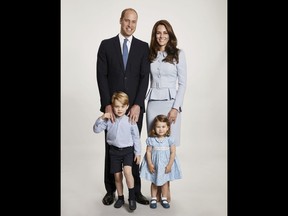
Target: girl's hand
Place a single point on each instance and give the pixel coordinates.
(168, 169)
(151, 168)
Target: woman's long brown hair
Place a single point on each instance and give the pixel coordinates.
(171, 47)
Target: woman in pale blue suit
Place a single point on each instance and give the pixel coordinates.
(167, 81)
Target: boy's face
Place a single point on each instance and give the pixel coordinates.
(119, 109)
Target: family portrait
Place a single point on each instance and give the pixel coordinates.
(143, 107)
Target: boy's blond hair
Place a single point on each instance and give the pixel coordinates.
(121, 97)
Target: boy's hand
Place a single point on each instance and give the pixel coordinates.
(109, 109)
(137, 158)
(107, 116)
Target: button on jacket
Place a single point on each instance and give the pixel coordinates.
(112, 76)
(168, 81)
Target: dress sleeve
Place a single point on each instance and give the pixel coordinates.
(149, 141)
(171, 141)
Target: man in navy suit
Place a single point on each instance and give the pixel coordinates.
(112, 76)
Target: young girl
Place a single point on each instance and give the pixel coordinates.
(160, 164)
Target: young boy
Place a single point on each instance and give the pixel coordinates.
(123, 138)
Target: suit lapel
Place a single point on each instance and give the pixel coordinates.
(118, 52)
(131, 52)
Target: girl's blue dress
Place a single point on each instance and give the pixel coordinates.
(160, 159)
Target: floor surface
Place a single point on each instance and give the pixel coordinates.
(201, 192)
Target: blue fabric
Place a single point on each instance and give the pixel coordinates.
(160, 159)
(121, 133)
(168, 81)
(125, 52)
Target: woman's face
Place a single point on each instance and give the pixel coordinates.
(162, 36)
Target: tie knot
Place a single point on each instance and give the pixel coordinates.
(125, 40)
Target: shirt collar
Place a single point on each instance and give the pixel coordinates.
(121, 37)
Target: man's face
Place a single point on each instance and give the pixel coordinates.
(128, 23)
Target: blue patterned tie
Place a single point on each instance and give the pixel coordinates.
(125, 52)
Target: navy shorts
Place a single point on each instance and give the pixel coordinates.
(120, 157)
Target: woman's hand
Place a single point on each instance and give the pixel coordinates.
(172, 115)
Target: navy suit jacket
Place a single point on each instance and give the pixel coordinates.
(112, 77)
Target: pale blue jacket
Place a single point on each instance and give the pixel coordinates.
(168, 81)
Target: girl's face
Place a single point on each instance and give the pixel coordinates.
(162, 36)
(161, 128)
(119, 108)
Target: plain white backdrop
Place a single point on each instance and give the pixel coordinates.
(201, 30)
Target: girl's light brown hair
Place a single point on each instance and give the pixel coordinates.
(159, 118)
